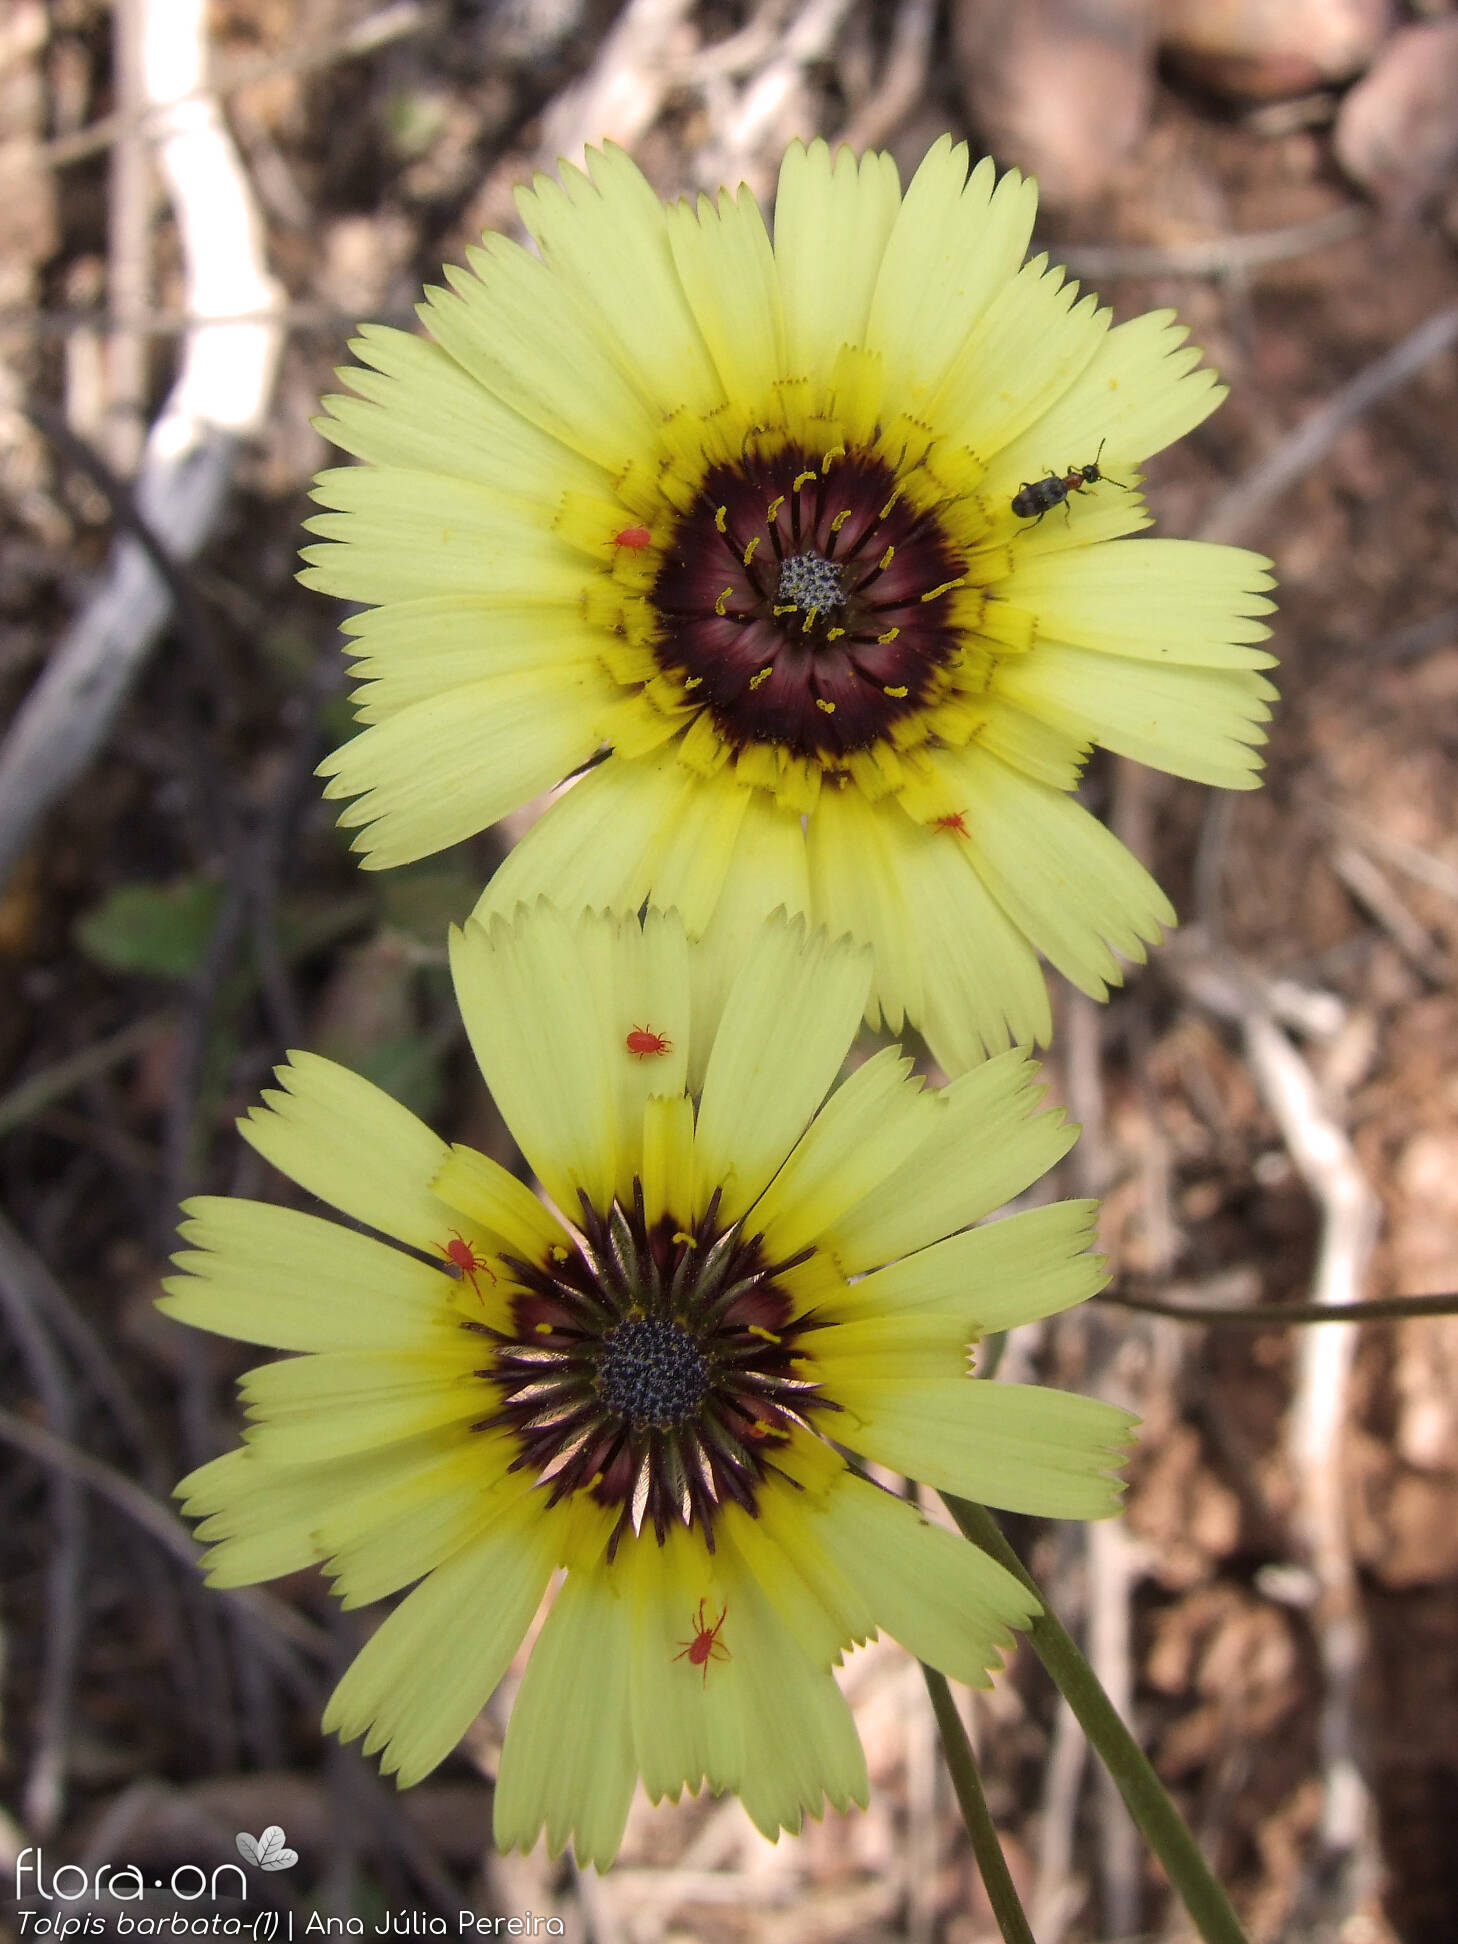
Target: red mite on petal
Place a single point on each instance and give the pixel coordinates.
(644, 1044)
(706, 1644)
(635, 537)
(463, 1261)
(956, 820)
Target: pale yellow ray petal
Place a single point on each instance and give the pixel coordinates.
(412, 650)
(788, 1550)
(1138, 393)
(1015, 1446)
(790, 1017)
(568, 1766)
(342, 1402)
(350, 1144)
(272, 1275)
(1203, 723)
(984, 989)
(867, 1128)
(698, 849)
(481, 1190)
(262, 1520)
(1051, 751)
(397, 1535)
(597, 844)
(832, 218)
(529, 337)
(1034, 338)
(767, 872)
(645, 982)
(984, 1142)
(1028, 1266)
(1181, 601)
(955, 242)
(417, 408)
(799, 1739)
(907, 1344)
(684, 1718)
(446, 767)
(535, 1021)
(425, 1674)
(944, 1600)
(606, 234)
(856, 854)
(398, 535)
(726, 265)
(1059, 874)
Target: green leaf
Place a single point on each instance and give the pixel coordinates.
(410, 1068)
(158, 929)
(424, 902)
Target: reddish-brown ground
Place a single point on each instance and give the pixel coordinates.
(1341, 876)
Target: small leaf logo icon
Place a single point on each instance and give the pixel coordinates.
(268, 1851)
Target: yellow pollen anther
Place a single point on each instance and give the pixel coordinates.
(719, 604)
(558, 1253)
(721, 519)
(835, 452)
(885, 510)
(889, 636)
(789, 609)
(803, 479)
(543, 1329)
(693, 681)
(885, 561)
(687, 1240)
(759, 680)
(809, 621)
(821, 703)
(772, 511)
(834, 634)
(945, 588)
(758, 1329)
(897, 692)
(839, 521)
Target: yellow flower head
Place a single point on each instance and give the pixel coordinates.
(822, 541)
(652, 1389)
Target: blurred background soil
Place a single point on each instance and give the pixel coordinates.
(1271, 1107)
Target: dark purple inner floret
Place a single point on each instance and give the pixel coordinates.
(835, 624)
(655, 1367)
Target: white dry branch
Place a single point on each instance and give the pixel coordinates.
(220, 397)
(1350, 1217)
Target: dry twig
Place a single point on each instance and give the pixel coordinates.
(45, 1784)
(221, 396)
(1239, 509)
(1328, 1165)
(1214, 256)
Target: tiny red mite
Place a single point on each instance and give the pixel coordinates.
(635, 537)
(706, 1644)
(954, 820)
(463, 1261)
(644, 1044)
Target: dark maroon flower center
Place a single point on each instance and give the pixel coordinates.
(804, 601)
(656, 1368)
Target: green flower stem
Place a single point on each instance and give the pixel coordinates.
(1270, 1316)
(1143, 1792)
(962, 1767)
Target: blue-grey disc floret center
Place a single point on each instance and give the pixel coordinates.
(650, 1371)
(811, 583)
